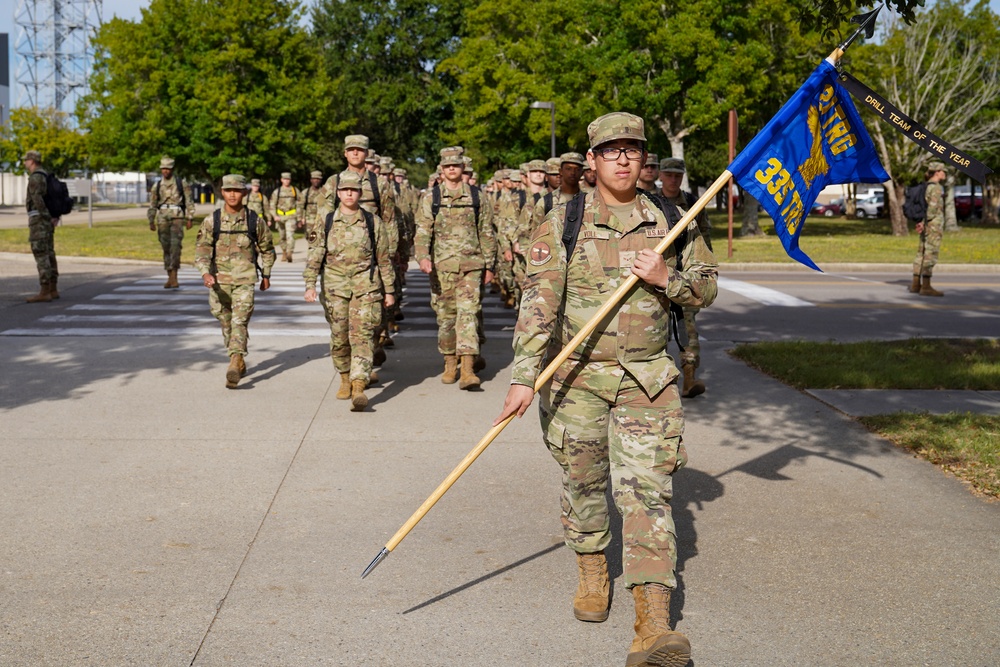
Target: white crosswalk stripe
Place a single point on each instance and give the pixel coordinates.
(144, 308)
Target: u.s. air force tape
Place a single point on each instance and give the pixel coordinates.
(914, 131)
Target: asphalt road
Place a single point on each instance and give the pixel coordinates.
(154, 518)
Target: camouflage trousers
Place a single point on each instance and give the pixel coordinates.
(286, 232)
(505, 275)
(458, 305)
(634, 441)
(232, 305)
(353, 322)
(928, 250)
(692, 351)
(170, 231)
(41, 236)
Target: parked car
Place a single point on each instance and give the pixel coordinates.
(870, 207)
(963, 202)
(827, 210)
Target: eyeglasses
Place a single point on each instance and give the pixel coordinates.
(612, 153)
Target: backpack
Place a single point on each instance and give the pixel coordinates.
(56, 198)
(251, 232)
(369, 224)
(522, 196)
(436, 202)
(915, 206)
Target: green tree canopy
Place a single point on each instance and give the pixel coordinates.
(47, 131)
(221, 85)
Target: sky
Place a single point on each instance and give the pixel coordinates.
(126, 9)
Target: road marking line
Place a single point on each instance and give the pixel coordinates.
(763, 295)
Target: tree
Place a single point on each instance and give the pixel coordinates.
(47, 131)
(943, 71)
(384, 54)
(222, 86)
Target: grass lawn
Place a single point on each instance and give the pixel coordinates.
(125, 239)
(828, 240)
(967, 445)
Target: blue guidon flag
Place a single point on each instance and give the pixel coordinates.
(816, 139)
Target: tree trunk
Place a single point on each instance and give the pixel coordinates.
(895, 195)
(676, 140)
(991, 194)
(950, 218)
(751, 224)
(850, 203)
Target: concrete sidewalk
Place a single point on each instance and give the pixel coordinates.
(864, 402)
(155, 518)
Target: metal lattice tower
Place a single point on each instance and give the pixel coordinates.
(54, 52)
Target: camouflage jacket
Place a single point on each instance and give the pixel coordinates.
(257, 202)
(559, 299)
(452, 241)
(167, 202)
(526, 221)
(934, 196)
(367, 201)
(348, 254)
(704, 224)
(233, 255)
(34, 199)
(284, 202)
(309, 201)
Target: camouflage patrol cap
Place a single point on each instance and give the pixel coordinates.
(515, 175)
(356, 141)
(234, 182)
(399, 171)
(255, 181)
(372, 157)
(523, 167)
(536, 165)
(673, 165)
(652, 160)
(166, 162)
(452, 155)
(572, 158)
(552, 165)
(32, 155)
(385, 162)
(286, 174)
(316, 174)
(467, 162)
(937, 165)
(349, 180)
(615, 125)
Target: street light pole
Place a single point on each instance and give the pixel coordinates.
(552, 107)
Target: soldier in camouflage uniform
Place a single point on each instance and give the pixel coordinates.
(552, 173)
(648, 173)
(589, 181)
(41, 230)
(357, 283)
(459, 252)
(309, 202)
(256, 201)
(612, 410)
(570, 165)
(171, 209)
(228, 268)
(931, 231)
(285, 214)
(671, 175)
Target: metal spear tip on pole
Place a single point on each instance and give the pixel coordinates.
(378, 559)
(866, 24)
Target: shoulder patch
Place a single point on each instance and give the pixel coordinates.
(540, 253)
(311, 237)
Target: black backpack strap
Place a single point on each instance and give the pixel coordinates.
(548, 203)
(572, 222)
(522, 196)
(435, 201)
(373, 180)
(326, 233)
(673, 215)
(252, 233)
(216, 230)
(370, 224)
(474, 191)
(180, 189)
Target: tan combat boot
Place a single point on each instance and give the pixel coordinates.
(344, 392)
(173, 279)
(233, 372)
(692, 387)
(44, 294)
(926, 289)
(242, 365)
(915, 285)
(358, 399)
(591, 600)
(378, 357)
(54, 288)
(655, 644)
(450, 374)
(468, 380)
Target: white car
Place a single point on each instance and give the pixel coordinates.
(870, 207)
